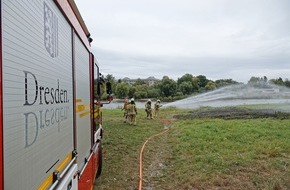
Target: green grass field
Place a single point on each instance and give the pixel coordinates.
(195, 153)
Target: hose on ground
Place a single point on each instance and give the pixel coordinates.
(141, 155)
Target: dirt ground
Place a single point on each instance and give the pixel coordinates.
(234, 113)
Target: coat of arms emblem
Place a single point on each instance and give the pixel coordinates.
(50, 31)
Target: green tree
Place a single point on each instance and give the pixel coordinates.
(202, 81)
(140, 94)
(278, 81)
(110, 78)
(287, 83)
(168, 87)
(141, 91)
(254, 80)
(258, 81)
(153, 93)
(122, 90)
(195, 84)
(210, 85)
(185, 78)
(225, 82)
(186, 87)
(132, 90)
(139, 82)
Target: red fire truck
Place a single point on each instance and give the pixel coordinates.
(50, 89)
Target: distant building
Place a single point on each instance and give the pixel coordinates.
(150, 80)
(128, 80)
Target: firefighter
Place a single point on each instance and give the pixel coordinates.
(125, 109)
(148, 109)
(132, 112)
(156, 107)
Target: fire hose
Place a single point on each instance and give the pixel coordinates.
(141, 155)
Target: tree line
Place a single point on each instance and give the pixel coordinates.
(168, 89)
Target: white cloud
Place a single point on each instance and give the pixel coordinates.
(216, 38)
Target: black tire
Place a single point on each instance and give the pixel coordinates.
(100, 162)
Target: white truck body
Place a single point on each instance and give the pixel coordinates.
(46, 84)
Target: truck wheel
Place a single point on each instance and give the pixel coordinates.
(100, 163)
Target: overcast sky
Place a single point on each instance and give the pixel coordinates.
(220, 39)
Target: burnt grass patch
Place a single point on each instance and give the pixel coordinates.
(234, 113)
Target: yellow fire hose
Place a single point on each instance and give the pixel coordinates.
(141, 154)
